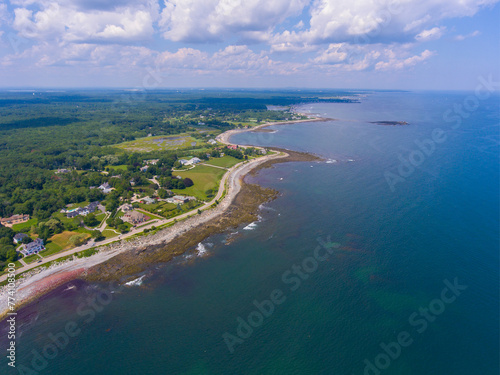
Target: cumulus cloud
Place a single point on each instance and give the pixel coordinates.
(372, 21)
(214, 20)
(431, 34)
(334, 54)
(278, 37)
(75, 21)
(398, 64)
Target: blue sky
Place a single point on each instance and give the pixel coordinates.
(399, 44)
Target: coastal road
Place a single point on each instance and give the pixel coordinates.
(232, 175)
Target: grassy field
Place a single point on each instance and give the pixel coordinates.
(159, 143)
(60, 242)
(225, 161)
(204, 178)
(122, 167)
(26, 225)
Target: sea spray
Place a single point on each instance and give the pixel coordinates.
(136, 282)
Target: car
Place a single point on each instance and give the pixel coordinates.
(40, 261)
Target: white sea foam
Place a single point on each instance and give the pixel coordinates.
(251, 226)
(263, 207)
(331, 161)
(201, 249)
(136, 282)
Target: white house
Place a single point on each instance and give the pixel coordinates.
(18, 238)
(33, 247)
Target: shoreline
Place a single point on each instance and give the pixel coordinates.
(127, 258)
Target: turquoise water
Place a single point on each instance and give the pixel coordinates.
(388, 246)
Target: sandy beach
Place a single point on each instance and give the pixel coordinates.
(38, 282)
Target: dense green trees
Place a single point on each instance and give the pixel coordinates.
(7, 250)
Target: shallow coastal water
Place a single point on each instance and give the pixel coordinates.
(387, 254)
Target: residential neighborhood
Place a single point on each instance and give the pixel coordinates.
(149, 194)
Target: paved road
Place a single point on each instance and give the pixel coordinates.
(234, 181)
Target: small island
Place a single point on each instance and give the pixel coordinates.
(393, 123)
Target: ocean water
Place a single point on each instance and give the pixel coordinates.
(382, 259)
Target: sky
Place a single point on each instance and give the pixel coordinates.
(149, 44)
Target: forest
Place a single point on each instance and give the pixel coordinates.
(43, 131)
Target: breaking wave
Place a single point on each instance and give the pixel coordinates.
(136, 282)
(251, 226)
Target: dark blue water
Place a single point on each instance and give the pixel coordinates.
(403, 221)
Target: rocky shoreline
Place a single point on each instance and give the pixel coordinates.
(123, 261)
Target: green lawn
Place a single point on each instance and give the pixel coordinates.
(159, 143)
(225, 161)
(122, 167)
(31, 259)
(160, 208)
(109, 233)
(26, 225)
(101, 216)
(204, 178)
(50, 248)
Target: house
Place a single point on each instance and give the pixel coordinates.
(32, 248)
(135, 217)
(212, 141)
(152, 161)
(126, 207)
(132, 182)
(72, 214)
(179, 199)
(18, 238)
(232, 147)
(61, 171)
(144, 169)
(84, 211)
(191, 161)
(14, 219)
(106, 188)
(148, 200)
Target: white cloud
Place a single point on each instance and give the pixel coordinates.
(431, 34)
(334, 54)
(373, 21)
(397, 64)
(70, 21)
(471, 35)
(215, 20)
